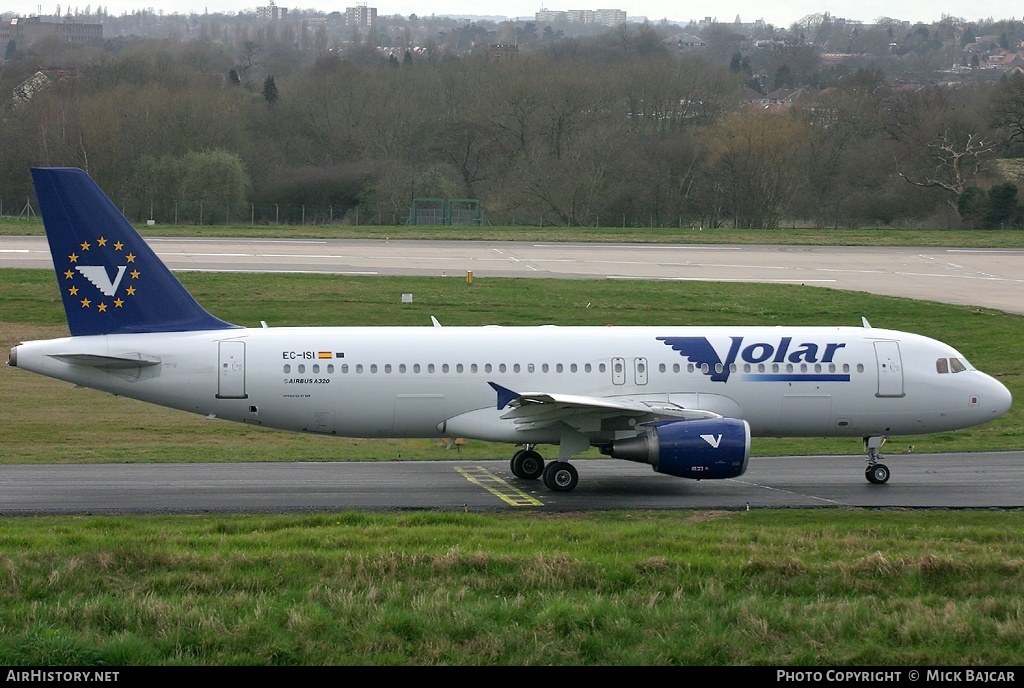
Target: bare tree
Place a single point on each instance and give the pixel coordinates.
(959, 157)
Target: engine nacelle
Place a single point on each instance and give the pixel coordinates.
(698, 449)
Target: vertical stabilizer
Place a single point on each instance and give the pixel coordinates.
(110, 280)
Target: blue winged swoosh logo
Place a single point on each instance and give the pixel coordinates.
(698, 350)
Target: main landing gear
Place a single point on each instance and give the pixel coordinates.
(558, 476)
(876, 473)
(527, 464)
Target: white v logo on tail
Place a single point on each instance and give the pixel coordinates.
(713, 440)
(97, 274)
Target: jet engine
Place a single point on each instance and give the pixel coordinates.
(699, 449)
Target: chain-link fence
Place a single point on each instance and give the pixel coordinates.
(457, 212)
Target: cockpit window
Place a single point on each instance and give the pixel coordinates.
(950, 365)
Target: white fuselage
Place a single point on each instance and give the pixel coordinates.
(433, 382)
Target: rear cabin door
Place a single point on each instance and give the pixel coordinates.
(231, 370)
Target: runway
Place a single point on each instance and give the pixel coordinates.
(991, 278)
(936, 481)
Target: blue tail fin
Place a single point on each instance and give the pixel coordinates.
(110, 279)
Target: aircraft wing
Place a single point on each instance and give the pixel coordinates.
(586, 413)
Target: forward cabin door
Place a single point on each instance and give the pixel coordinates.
(890, 369)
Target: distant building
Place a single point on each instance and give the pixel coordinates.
(40, 81)
(782, 99)
(271, 12)
(597, 17)
(26, 31)
(685, 43)
(609, 17)
(361, 16)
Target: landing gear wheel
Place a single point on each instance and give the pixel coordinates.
(877, 474)
(527, 464)
(512, 462)
(560, 476)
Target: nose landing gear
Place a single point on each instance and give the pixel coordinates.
(876, 473)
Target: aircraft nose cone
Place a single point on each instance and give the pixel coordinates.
(997, 397)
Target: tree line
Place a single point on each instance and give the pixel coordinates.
(608, 132)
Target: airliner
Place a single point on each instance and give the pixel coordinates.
(685, 400)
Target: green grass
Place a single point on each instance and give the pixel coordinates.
(674, 235)
(49, 421)
(690, 588)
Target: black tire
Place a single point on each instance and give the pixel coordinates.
(527, 464)
(878, 474)
(561, 476)
(512, 466)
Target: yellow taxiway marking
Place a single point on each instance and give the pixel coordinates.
(480, 476)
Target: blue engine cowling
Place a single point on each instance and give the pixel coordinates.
(700, 449)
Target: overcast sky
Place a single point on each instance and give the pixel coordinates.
(781, 13)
